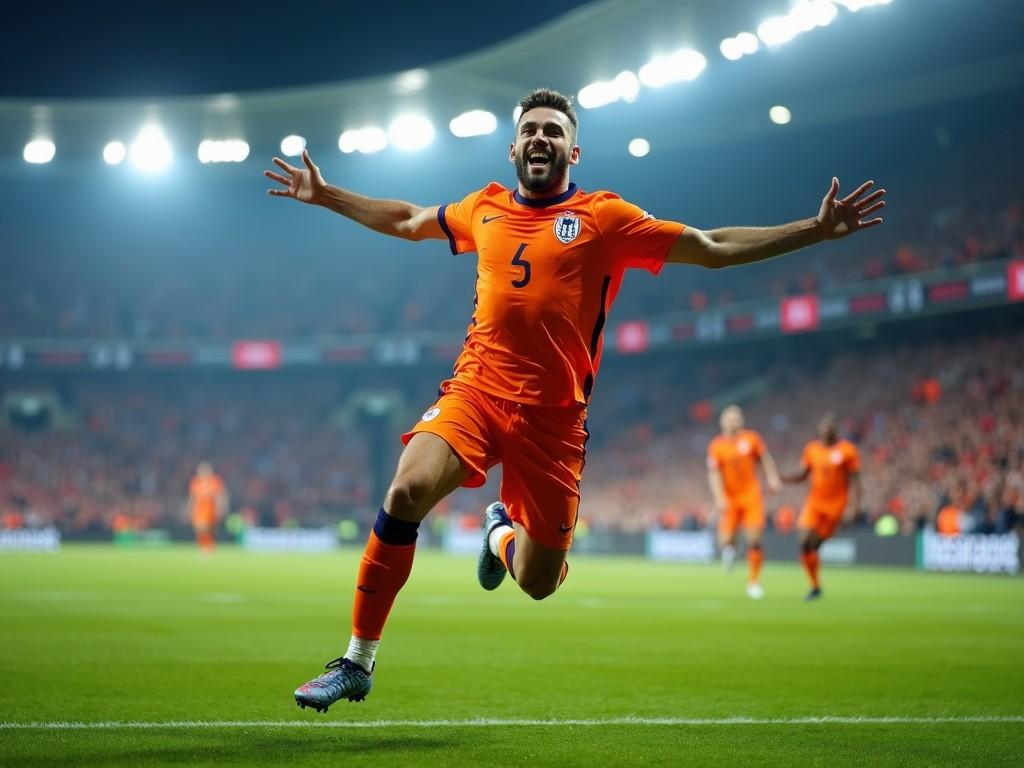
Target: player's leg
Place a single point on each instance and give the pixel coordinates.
(428, 470)
(728, 527)
(810, 542)
(543, 453)
(753, 532)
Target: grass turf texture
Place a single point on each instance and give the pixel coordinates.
(95, 634)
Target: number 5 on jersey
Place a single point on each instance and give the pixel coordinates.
(519, 261)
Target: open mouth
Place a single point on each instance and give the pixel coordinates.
(538, 161)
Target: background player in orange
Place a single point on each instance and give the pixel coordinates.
(550, 260)
(733, 457)
(207, 505)
(834, 468)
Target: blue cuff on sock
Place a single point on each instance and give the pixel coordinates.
(391, 530)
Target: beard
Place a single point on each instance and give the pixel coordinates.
(538, 182)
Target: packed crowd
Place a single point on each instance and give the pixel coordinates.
(940, 425)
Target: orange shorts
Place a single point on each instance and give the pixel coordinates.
(541, 450)
(821, 520)
(748, 513)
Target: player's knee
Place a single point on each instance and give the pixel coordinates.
(406, 497)
(538, 589)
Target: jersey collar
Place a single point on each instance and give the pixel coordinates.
(544, 202)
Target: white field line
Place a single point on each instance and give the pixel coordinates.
(111, 725)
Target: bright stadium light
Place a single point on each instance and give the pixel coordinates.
(597, 94)
(292, 146)
(747, 42)
(685, 64)
(476, 122)
(39, 151)
(628, 85)
(824, 11)
(780, 115)
(114, 153)
(639, 147)
(777, 30)
(151, 152)
(856, 5)
(411, 81)
(411, 132)
(731, 49)
(226, 151)
(365, 140)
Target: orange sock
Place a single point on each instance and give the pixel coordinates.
(755, 556)
(811, 561)
(507, 551)
(383, 571)
(205, 541)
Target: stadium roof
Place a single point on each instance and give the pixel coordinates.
(905, 54)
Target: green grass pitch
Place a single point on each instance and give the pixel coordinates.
(97, 635)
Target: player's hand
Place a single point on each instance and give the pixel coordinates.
(844, 216)
(304, 184)
(774, 484)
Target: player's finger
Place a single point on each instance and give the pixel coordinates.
(872, 197)
(306, 159)
(277, 177)
(833, 190)
(858, 192)
(872, 223)
(284, 166)
(868, 211)
(279, 192)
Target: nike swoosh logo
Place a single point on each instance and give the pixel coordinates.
(565, 528)
(489, 219)
(367, 590)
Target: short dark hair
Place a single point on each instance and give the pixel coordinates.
(545, 97)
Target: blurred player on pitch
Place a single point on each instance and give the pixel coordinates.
(550, 259)
(733, 457)
(207, 505)
(834, 468)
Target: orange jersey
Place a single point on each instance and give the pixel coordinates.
(830, 467)
(547, 274)
(736, 459)
(205, 491)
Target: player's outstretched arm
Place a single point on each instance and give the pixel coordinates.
(856, 494)
(729, 246)
(796, 477)
(389, 217)
(771, 472)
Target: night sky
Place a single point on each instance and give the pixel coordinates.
(115, 48)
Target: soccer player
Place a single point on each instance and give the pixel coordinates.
(733, 457)
(550, 260)
(834, 468)
(207, 504)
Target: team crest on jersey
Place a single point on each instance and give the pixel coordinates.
(567, 228)
(836, 456)
(743, 447)
(430, 415)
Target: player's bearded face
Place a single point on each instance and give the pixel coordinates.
(540, 165)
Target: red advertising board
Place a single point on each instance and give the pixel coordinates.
(256, 355)
(799, 313)
(1015, 281)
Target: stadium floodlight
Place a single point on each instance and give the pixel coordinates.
(824, 11)
(856, 5)
(411, 132)
(777, 30)
(151, 152)
(476, 122)
(597, 94)
(747, 42)
(292, 146)
(225, 151)
(628, 85)
(114, 153)
(780, 115)
(731, 49)
(413, 80)
(684, 64)
(39, 151)
(365, 140)
(639, 147)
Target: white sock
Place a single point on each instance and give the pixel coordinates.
(494, 540)
(362, 652)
